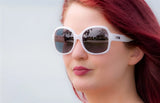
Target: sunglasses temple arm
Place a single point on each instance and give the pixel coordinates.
(119, 37)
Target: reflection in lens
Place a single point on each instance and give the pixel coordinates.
(95, 40)
(63, 40)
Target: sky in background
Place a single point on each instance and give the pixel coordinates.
(30, 69)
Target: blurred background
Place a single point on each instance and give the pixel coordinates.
(30, 69)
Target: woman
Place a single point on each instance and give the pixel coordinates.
(111, 50)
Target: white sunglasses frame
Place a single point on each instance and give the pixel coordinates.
(111, 37)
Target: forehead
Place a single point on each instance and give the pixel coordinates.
(79, 17)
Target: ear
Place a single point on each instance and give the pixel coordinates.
(135, 56)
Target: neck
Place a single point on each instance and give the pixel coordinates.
(122, 92)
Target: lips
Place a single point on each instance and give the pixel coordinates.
(79, 70)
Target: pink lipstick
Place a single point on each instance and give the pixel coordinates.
(80, 70)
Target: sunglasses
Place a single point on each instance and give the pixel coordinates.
(94, 40)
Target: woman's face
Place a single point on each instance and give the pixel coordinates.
(94, 72)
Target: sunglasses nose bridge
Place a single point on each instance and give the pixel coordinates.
(77, 37)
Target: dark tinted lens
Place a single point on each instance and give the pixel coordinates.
(63, 40)
(95, 40)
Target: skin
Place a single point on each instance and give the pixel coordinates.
(111, 79)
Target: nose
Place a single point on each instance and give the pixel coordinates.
(78, 52)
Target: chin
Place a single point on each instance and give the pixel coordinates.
(82, 86)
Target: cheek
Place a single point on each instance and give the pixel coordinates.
(115, 57)
(68, 64)
(67, 60)
(113, 65)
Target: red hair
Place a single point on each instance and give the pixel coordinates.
(135, 19)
